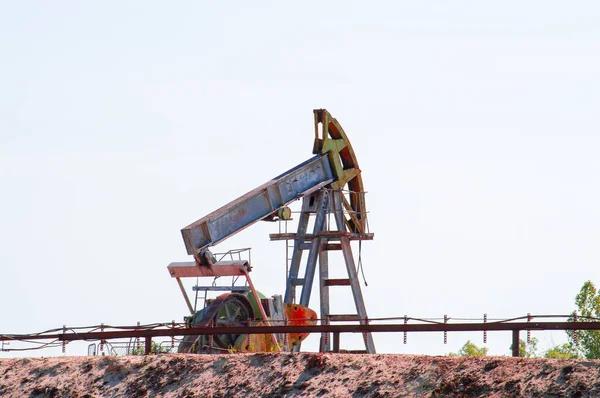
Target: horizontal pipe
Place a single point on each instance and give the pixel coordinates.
(372, 328)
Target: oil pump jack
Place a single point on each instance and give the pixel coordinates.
(330, 186)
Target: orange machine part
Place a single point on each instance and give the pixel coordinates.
(299, 315)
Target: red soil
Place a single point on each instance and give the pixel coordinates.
(305, 374)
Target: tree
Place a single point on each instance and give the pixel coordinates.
(562, 351)
(527, 350)
(470, 349)
(588, 305)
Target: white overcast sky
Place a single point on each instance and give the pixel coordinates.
(476, 126)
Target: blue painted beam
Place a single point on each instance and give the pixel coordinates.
(257, 204)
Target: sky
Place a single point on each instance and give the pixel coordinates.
(475, 125)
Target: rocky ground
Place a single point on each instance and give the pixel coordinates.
(297, 375)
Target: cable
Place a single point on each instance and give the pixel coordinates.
(360, 266)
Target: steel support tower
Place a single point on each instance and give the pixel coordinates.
(330, 186)
(327, 235)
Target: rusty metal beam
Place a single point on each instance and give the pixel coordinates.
(323, 234)
(185, 296)
(337, 282)
(464, 327)
(220, 268)
(374, 328)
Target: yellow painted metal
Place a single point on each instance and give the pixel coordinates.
(295, 315)
(331, 139)
(256, 342)
(261, 309)
(284, 213)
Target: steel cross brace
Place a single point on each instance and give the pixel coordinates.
(351, 268)
(313, 254)
(321, 203)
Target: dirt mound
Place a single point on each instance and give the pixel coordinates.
(305, 374)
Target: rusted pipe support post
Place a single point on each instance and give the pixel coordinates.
(148, 347)
(528, 331)
(445, 331)
(515, 342)
(484, 331)
(336, 342)
(575, 337)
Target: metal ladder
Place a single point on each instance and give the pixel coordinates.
(321, 204)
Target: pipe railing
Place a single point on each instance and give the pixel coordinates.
(514, 325)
